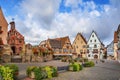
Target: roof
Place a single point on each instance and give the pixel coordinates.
(116, 34)
(115, 37)
(81, 37)
(42, 42)
(20, 35)
(2, 18)
(55, 43)
(118, 28)
(58, 42)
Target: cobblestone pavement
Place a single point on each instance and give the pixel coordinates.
(110, 70)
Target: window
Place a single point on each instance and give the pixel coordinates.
(56, 50)
(89, 55)
(81, 50)
(64, 50)
(70, 51)
(95, 40)
(87, 46)
(20, 41)
(60, 50)
(84, 46)
(95, 50)
(92, 35)
(20, 48)
(90, 40)
(76, 46)
(95, 46)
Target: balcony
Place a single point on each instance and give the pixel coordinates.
(95, 50)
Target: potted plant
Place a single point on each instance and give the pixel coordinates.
(54, 71)
(89, 64)
(30, 71)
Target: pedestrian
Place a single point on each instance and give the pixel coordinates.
(96, 62)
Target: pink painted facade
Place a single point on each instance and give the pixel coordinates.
(15, 39)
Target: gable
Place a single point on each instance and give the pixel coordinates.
(79, 39)
(94, 38)
(15, 33)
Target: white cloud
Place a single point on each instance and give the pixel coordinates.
(40, 19)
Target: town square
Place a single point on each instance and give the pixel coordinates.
(59, 40)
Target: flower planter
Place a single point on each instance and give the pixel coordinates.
(71, 68)
(32, 75)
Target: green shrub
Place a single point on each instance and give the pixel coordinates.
(89, 64)
(14, 68)
(38, 73)
(29, 70)
(75, 66)
(42, 72)
(48, 71)
(6, 73)
(80, 67)
(54, 71)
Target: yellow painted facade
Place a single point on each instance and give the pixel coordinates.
(115, 50)
(79, 45)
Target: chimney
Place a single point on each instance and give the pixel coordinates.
(12, 25)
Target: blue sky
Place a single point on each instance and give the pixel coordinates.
(11, 5)
(38, 20)
(63, 8)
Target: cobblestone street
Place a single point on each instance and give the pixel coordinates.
(110, 70)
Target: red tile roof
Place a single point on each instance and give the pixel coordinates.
(115, 37)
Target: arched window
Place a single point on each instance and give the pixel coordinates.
(95, 40)
(95, 46)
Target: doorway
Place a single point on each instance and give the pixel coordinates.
(95, 56)
(13, 49)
